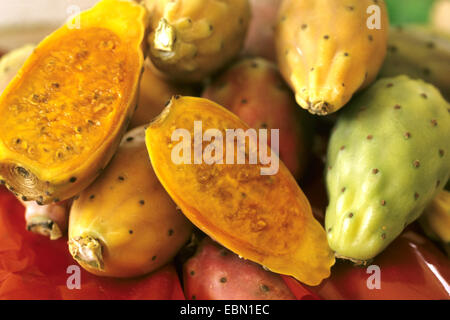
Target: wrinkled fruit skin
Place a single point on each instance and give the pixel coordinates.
(154, 92)
(326, 52)
(191, 39)
(387, 158)
(62, 118)
(261, 31)
(435, 220)
(263, 218)
(128, 212)
(254, 91)
(215, 273)
(421, 53)
(11, 63)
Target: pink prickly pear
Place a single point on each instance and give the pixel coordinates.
(254, 90)
(261, 31)
(214, 273)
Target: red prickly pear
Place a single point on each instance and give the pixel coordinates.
(214, 273)
(261, 31)
(254, 90)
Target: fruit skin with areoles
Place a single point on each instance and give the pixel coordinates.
(435, 220)
(215, 273)
(191, 39)
(326, 50)
(254, 90)
(387, 159)
(62, 118)
(260, 41)
(421, 53)
(125, 224)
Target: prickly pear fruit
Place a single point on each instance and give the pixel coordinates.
(326, 51)
(254, 91)
(214, 273)
(125, 224)
(191, 39)
(261, 216)
(49, 220)
(260, 39)
(11, 63)
(154, 92)
(435, 220)
(387, 158)
(64, 113)
(421, 53)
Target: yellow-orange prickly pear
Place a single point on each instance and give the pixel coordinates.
(256, 210)
(125, 224)
(191, 39)
(154, 92)
(329, 49)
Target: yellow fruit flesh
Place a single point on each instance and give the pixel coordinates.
(65, 111)
(63, 107)
(263, 218)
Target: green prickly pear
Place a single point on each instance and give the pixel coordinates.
(388, 157)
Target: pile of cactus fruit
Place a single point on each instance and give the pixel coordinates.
(93, 117)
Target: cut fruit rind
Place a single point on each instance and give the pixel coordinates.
(263, 218)
(64, 113)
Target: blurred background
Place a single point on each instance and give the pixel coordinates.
(28, 21)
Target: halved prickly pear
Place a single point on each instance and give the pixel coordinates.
(65, 111)
(263, 218)
(125, 224)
